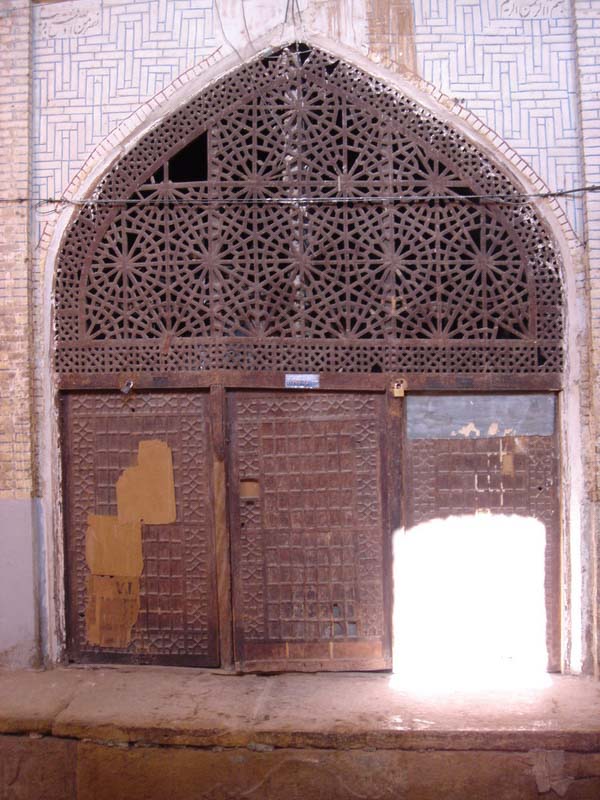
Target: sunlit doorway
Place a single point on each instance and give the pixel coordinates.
(476, 567)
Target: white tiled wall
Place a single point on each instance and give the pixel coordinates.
(511, 62)
(96, 62)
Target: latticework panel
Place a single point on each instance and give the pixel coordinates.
(307, 535)
(177, 616)
(301, 215)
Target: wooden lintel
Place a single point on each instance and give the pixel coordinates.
(355, 382)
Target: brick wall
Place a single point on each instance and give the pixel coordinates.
(15, 330)
(95, 64)
(588, 46)
(510, 61)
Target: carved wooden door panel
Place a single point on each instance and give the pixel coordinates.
(139, 535)
(308, 527)
(490, 455)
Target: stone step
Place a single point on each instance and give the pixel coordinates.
(184, 734)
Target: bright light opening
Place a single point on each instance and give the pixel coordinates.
(469, 603)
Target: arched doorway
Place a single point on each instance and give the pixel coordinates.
(241, 310)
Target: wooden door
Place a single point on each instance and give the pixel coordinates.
(489, 454)
(137, 473)
(309, 534)
(314, 492)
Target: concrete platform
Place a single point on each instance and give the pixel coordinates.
(145, 732)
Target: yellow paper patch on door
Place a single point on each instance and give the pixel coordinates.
(113, 605)
(146, 492)
(113, 547)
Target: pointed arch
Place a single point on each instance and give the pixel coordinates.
(300, 214)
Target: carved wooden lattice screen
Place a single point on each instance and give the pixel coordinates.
(300, 215)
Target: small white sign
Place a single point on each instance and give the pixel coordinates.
(302, 381)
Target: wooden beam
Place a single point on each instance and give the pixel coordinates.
(328, 382)
(221, 525)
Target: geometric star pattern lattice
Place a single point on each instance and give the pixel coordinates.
(300, 214)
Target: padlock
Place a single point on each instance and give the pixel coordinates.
(398, 388)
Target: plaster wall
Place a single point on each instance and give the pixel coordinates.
(18, 600)
(103, 70)
(587, 44)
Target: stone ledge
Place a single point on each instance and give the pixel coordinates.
(344, 711)
(148, 733)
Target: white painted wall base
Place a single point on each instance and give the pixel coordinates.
(18, 627)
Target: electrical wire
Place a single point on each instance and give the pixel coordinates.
(515, 197)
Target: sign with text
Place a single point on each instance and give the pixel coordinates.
(302, 381)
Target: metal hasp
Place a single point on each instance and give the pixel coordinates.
(398, 387)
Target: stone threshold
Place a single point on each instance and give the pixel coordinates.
(206, 709)
(149, 733)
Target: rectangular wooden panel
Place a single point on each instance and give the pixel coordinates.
(172, 617)
(490, 454)
(309, 542)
